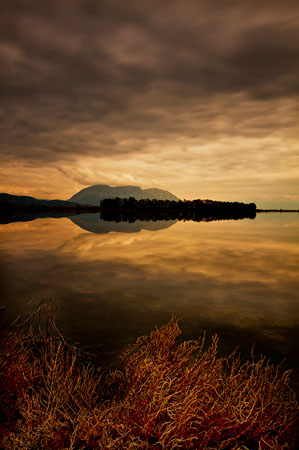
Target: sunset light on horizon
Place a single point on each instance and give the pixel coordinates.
(200, 98)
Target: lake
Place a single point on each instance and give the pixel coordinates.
(117, 281)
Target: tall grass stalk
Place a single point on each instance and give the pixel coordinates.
(166, 396)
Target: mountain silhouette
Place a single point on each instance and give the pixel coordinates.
(93, 195)
(24, 201)
(22, 208)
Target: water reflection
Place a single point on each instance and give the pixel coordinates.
(236, 278)
(94, 224)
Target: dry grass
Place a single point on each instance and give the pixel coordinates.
(165, 396)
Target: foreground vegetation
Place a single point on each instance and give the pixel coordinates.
(166, 396)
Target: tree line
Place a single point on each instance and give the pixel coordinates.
(130, 210)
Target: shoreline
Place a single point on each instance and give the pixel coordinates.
(277, 210)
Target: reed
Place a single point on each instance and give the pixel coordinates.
(165, 396)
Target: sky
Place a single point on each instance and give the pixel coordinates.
(198, 97)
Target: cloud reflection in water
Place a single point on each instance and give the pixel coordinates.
(237, 278)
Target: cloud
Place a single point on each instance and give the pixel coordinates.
(106, 80)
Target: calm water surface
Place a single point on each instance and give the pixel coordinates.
(236, 278)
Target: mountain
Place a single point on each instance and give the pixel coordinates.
(23, 201)
(93, 195)
(15, 204)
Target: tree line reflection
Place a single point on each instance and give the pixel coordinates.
(130, 210)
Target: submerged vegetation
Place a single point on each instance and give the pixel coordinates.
(130, 210)
(165, 396)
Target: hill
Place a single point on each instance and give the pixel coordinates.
(11, 203)
(19, 201)
(93, 195)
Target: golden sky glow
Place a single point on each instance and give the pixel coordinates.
(198, 97)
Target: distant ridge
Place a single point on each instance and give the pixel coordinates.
(93, 195)
(24, 201)
(11, 203)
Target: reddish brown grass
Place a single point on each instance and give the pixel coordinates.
(165, 397)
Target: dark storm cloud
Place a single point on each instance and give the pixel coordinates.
(81, 76)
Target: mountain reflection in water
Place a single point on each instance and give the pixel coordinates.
(94, 224)
(236, 278)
